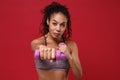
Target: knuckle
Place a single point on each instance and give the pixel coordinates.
(48, 49)
(45, 49)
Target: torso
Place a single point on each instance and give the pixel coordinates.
(51, 74)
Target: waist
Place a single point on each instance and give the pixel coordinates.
(52, 75)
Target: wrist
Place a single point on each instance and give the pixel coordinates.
(68, 55)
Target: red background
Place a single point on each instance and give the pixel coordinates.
(95, 25)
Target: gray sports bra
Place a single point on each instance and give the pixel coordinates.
(47, 65)
(56, 65)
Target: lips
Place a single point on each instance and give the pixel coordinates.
(56, 34)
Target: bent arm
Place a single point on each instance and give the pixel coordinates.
(74, 61)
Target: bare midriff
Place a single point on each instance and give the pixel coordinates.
(52, 74)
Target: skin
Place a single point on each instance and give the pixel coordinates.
(57, 26)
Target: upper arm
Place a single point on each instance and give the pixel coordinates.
(35, 44)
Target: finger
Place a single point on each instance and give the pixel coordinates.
(45, 53)
(60, 48)
(63, 48)
(48, 53)
(41, 46)
(41, 53)
(53, 53)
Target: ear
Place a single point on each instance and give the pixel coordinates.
(48, 21)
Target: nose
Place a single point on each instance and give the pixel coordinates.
(58, 28)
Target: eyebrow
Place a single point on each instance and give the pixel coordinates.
(57, 21)
(54, 20)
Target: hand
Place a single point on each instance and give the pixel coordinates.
(47, 53)
(64, 49)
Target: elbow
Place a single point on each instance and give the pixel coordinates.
(79, 75)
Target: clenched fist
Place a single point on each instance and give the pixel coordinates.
(47, 53)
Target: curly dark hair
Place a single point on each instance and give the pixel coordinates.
(55, 7)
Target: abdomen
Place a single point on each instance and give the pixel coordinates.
(52, 74)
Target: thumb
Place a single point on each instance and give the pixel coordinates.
(51, 61)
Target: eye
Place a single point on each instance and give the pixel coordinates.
(62, 25)
(54, 24)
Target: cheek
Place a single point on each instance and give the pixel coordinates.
(51, 27)
(63, 30)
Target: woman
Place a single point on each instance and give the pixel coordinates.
(56, 29)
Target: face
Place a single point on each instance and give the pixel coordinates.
(57, 25)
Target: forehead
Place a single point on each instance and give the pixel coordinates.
(58, 17)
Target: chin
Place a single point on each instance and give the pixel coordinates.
(56, 37)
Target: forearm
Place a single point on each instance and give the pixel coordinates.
(76, 67)
(73, 59)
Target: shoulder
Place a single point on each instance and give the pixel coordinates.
(72, 45)
(36, 42)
